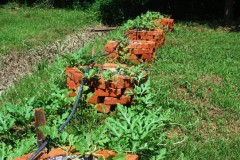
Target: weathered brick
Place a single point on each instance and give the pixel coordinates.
(75, 75)
(109, 92)
(71, 84)
(70, 69)
(121, 100)
(147, 56)
(94, 99)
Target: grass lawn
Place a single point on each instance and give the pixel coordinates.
(196, 76)
(25, 28)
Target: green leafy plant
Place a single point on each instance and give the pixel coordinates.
(135, 132)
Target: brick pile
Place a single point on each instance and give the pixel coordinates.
(136, 51)
(106, 93)
(157, 36)
(167, 23)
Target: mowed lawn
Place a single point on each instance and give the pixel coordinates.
(197, 77)
(23, 28)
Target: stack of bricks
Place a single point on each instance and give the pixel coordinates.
(157, 35)
(167, 23)
(106, 94)
(138, 51)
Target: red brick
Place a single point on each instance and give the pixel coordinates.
(142, 51)
(147, 56)
(132, 56)
(121, 100)
(105, 154)
(109, 92)
(71, 84)
(131, 157)
(103, 108)
(70, 69)
(109, 65)
(94, 99)
(75, 75)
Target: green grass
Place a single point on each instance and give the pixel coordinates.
(196, 76)
(25, 28)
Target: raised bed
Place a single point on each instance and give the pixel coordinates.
(68, 153)
(136, 51)
(106, 93)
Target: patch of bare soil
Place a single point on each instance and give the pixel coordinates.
(220, 124)
(18, 64)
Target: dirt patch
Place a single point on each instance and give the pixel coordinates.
(18, 64)
(215, 112)
(215, 79)
(219, 124)
(174, 132)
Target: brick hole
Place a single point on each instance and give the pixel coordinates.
(101, 99)
(139, 56)
(123, 91)
(113, 108)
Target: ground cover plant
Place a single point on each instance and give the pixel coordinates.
(196, 81)
(26, 28)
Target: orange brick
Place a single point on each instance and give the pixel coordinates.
(142, 51)
(147, 56)
(109, 65)
(103, 108)
(109, 92)
(132, 56)
(71, 84)
(105, 154)
(131, 157)
(121, 100)
(94, 99)
(75, 75)
(70, 69)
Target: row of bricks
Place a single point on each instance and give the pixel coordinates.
(155, 32)
(118, 82)
(138, 51)
(140, 44)
(158, 40)
(137, 59)
(95, 99)
(99, 91)
(105, 104)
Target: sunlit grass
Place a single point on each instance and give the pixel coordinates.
(25, 28)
